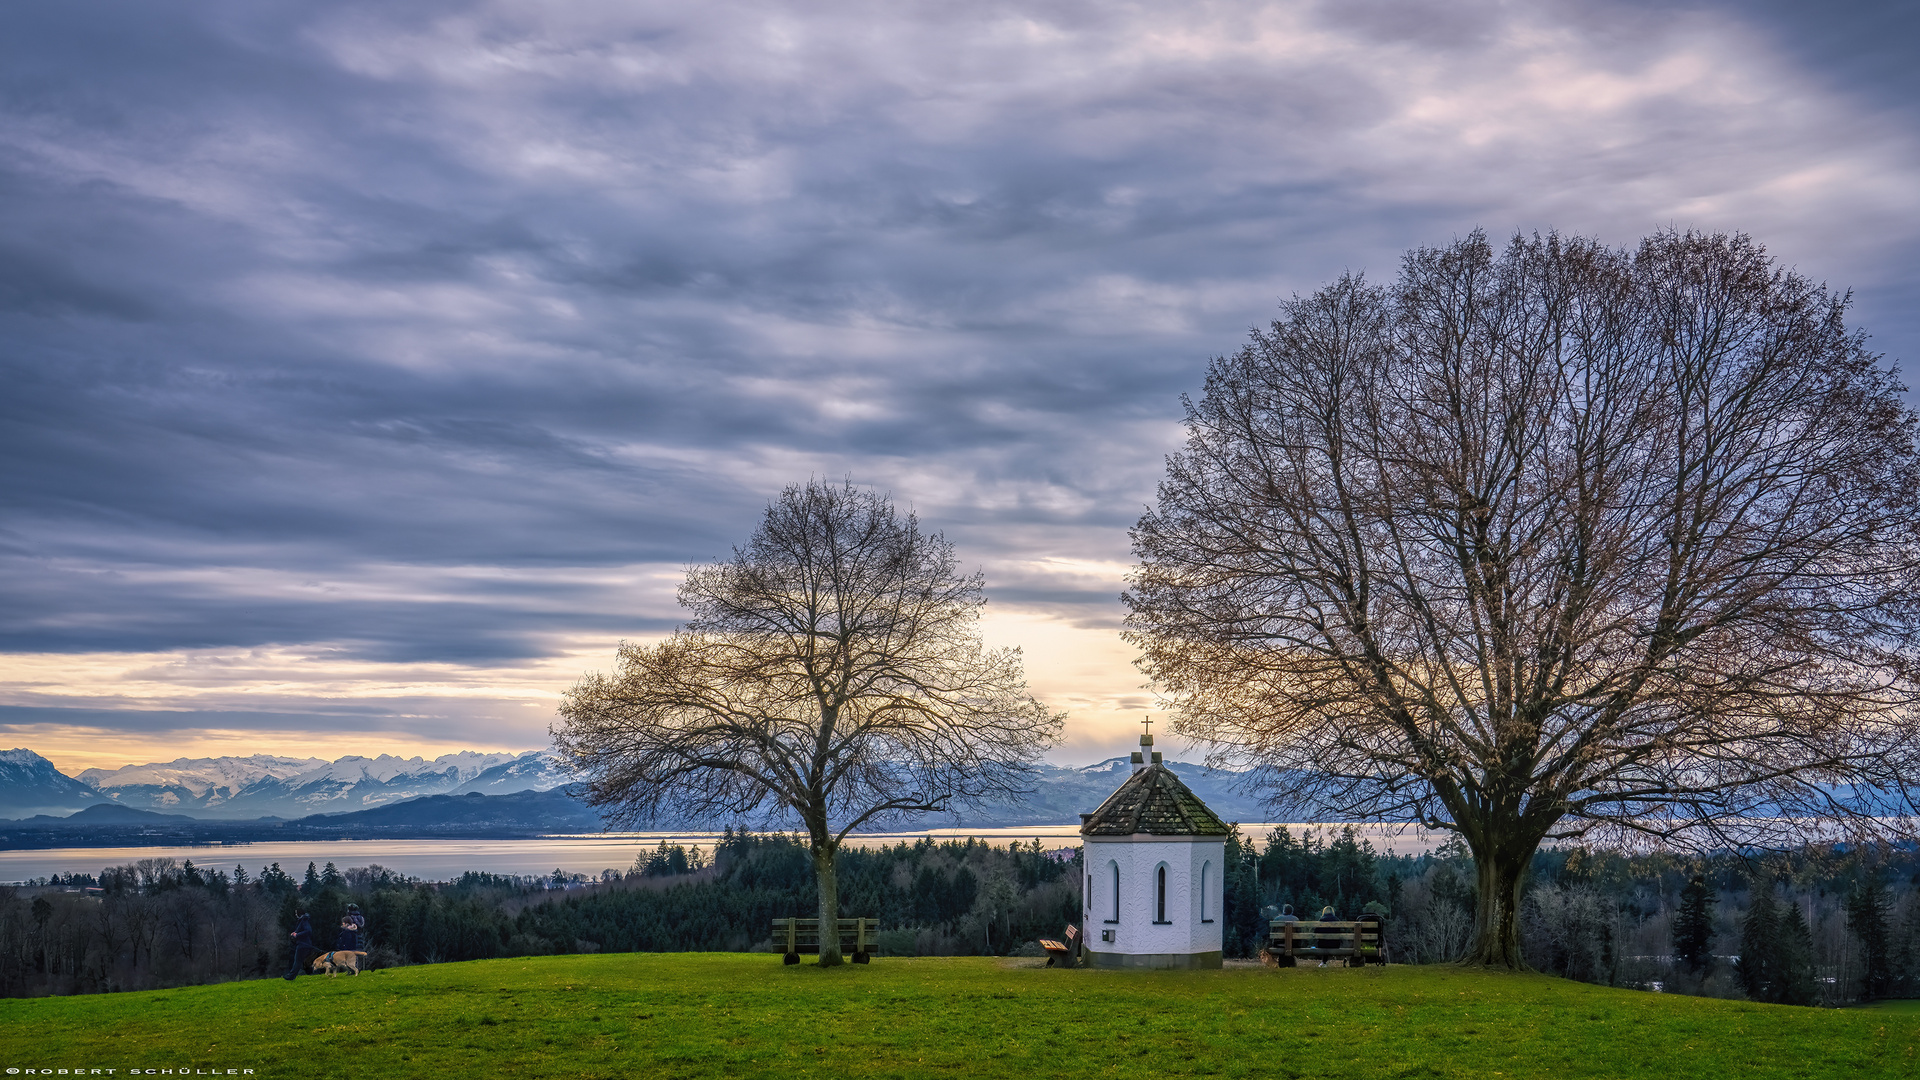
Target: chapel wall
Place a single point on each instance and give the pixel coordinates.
(1136, 932)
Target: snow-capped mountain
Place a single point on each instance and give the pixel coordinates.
(536, 771)
(263, 786)
(192, 785)
(29, 785)
(244, 788)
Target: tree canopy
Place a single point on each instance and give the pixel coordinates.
(832, 670)
(1557, 541)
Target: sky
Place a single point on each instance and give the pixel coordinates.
(369, 371)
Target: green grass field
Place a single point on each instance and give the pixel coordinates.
(729, 1015)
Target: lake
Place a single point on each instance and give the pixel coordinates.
(439, 860)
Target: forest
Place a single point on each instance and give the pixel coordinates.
(1820, 926)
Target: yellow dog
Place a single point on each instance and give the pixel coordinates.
(335, 962)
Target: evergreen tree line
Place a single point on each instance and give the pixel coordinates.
(159, 923)
(1823, 926)
(931, 898)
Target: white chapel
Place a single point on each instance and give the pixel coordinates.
(1154, 858)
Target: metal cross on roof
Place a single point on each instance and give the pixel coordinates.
(1149, 723)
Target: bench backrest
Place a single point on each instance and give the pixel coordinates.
(796, 934)
(1359, 934)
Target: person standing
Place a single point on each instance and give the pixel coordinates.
(348, 939)
(302, 944)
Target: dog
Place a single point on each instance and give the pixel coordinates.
(333, 963)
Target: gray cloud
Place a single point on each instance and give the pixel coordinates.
(359, 294)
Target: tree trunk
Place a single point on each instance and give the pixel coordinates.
(823, 853)
(1502, 869)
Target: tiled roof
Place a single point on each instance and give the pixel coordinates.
(1153, 801)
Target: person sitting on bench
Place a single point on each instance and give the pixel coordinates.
(1326, 939)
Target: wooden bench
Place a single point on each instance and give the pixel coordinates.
(1358, 942)
(1061, 952)
(803, 935)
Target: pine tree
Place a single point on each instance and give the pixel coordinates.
(1242, 930)
(1758, 966)
(310, 885)
(276, 881)
(1906, 953)
(1693, 928)
(1609, 959)
(1867, 917)
(1794, 959)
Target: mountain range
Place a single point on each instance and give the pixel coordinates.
(246, 788)
(470, 790)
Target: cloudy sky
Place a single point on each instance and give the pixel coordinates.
(368, 370)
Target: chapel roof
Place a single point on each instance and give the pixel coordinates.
(1153, 801)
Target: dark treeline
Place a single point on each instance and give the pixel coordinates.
(1823, 926)
(932, 898)
(157, 923)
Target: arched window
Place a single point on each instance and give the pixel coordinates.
(1115, 867)
(1206, 875)
(1160, 893)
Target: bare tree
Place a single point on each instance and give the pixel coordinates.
(1561, 541)
(833, 669)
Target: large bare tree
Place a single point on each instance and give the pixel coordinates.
(832, 670)
(1560, 541)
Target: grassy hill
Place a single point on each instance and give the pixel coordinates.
(727, 1015)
